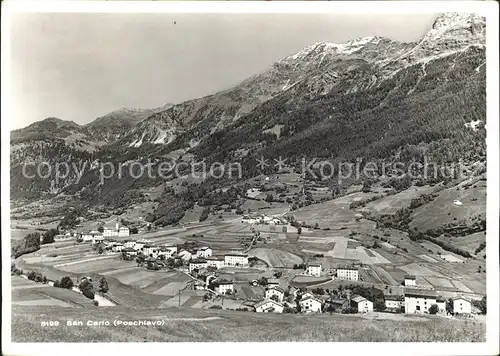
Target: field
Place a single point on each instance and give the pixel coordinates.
(392, 203)
(463, 202)
(28, 293)
(275, 258)
(188, 325)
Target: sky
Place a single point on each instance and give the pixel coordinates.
(78, 66)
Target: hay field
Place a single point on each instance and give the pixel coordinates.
(275, 258)
(442, 210)
(390, 204)
(189, 325)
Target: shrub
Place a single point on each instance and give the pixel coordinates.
(66, 282)
(87, 289)
(433, 309)
(103, 285)
(215, 307)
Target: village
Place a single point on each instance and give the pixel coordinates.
(204, 265)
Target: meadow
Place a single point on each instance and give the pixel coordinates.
(188, 325)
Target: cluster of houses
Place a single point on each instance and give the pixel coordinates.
(348, 273)
(96, 236)
(418, 300)
(204, 259)
(256, 219)
(309, 303)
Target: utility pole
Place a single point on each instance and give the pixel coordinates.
(179, 297)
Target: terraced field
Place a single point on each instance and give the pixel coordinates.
(275, 258)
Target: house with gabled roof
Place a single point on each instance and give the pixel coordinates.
(310, 305)
(418, 301)
(462, 305)
(361, 304)
(336, 304)
(410, 281)
(278, 292)
(204, 252)
(394, 302)
(269, 306)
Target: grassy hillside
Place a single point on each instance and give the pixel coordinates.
(187, 325)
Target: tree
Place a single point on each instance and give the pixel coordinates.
(480, 304)
(433, 309)
(100, 229)
(269, 198)
(449, 306)
(100, 250)
(204, 214)
(140, 259)
(66, 282)
(275, 298)
(103, 285)
(299, 230)
(319, 291)
(48, 236)
(87, 288)
(263, 281)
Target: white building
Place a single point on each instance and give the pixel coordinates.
(118, 247)
(306, 295)
(149, 250)
(130, 251)
(349, 273)
(249, 220)
(109, 232)
(172, 249)
(236, 260)
(362, 304)
(61, 237)
(269, 306)
(116, 231)
(394, 302)
(313, 270)
(138, 246)
(310, 305)
(215, 262)
(123, 231)
(223, 287)
(90, 235)
(164, 251)
(97, 238)
(197, 265)
(410, 281)
(204, 252)
(418, 301)
(462, 306)
(275, 291)
(129, 243)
